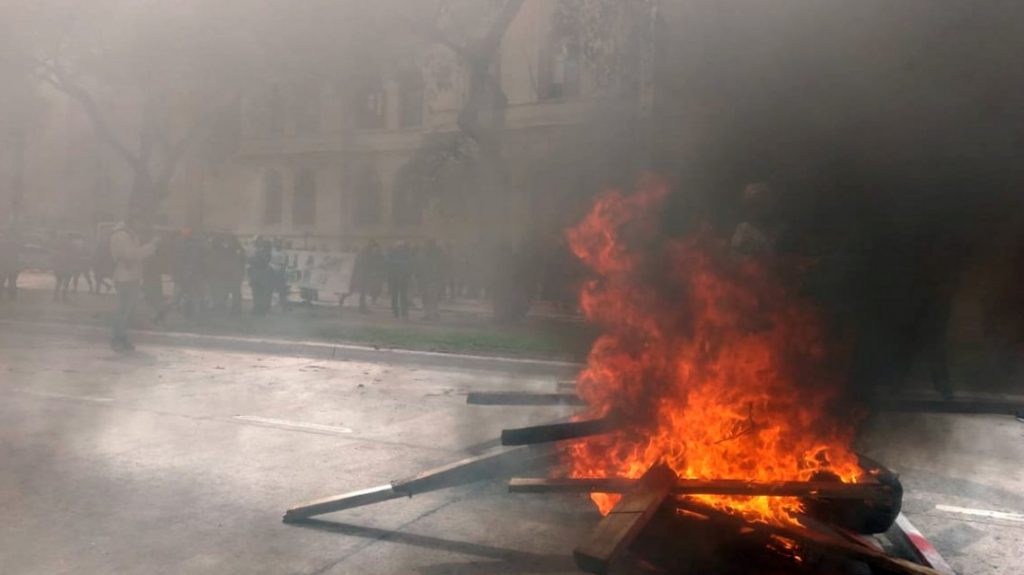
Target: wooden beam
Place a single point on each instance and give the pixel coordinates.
(620, 527)
(558, 431)
(522, 398)
(486, 466)
(817, 489)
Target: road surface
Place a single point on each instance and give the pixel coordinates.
(180, 460)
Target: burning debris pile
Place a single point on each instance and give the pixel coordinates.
(712, 438)
(717, 370)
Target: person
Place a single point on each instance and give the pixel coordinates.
(758, 233)
(102, 265)
(279, 275)
(79, 263)
(10, 264)
(431, 274)
(366, 276)
(63, 266)
(186, 268)
(512, 282)
(260, 277)
(399, 274)
(129, 255)
(226, 270)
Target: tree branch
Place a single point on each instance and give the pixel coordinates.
(53, 75)
(488, 43)
(433, 34)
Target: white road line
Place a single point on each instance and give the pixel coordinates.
(285, 424)
(982, 513)
(66, 396)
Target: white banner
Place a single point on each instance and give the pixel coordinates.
(328, 273)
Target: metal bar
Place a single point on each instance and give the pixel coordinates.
(904, 533)
(821, 541)
(486, 466)
(340, 502)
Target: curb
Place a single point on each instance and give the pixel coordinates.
(310, 349)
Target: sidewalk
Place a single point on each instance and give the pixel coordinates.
(463, 328)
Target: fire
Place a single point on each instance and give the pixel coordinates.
(716, 366)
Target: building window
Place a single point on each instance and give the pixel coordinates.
(275, 112)
(408, 200)
(369, 105)
(410, 98)
(306, 108)
(367, 197)
(304, 200)
(560, 71)
(273, 197)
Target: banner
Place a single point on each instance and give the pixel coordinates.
(327, 273)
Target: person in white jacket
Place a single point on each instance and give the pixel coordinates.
(128, 253)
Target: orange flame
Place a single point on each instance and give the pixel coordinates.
(720, 371)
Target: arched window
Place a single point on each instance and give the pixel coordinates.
(408, 202)
(273, 197)
(559, 70)
(410, 98)
(304, 199)
(368, 105)
(367, 197)
(275, 111)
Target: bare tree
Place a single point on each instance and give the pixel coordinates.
(473, 32)
(153, 81)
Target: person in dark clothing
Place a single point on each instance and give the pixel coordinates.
(225, 272)
(103, 265)
(904, 309)
(512, 284)
(279, 274)
(431, 275)
(10, 264)
(80, 263)
(260, 277)
(63, 266)
(187, 269)
(367, 275)
(400, 263)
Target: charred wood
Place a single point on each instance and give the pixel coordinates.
(558, 431)
(522, 398)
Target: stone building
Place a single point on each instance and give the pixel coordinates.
(321, 161)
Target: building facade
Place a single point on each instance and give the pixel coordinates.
(321, 161)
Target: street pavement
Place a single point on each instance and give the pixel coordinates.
(181, 460)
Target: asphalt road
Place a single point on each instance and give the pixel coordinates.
(181, 460)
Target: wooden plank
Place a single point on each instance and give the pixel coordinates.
(486, 466)
(827, 543)
(558, 431)
(818, 489)
(340, 502)
(620, 527)
(522, 398)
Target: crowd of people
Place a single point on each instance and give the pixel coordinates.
(209, 271)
